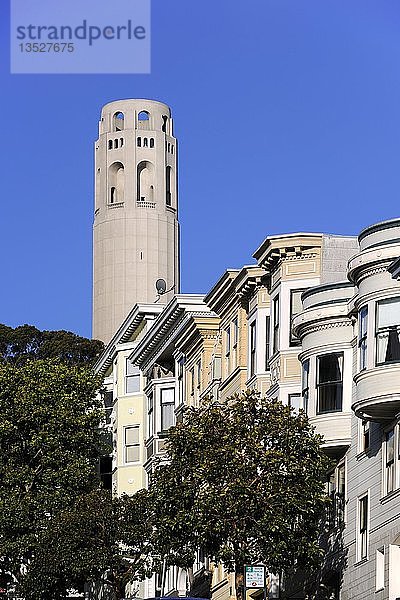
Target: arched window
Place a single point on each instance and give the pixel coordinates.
(169, 147)
(164, 124)
(115, 143)
(151, 142)
(118, 121)
(116, 178)
(145, 181)
(172, 149)
(143, 115)
(139, 142)
(121, 142)
(110, 144)
(145, 142)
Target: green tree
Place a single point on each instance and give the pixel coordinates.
(244, 482)
(97, 538)
(26, 342)
(50, 443)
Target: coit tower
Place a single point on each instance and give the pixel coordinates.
(136, 229)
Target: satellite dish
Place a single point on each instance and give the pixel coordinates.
(161, 286)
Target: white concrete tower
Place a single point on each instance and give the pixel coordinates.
(136, 229)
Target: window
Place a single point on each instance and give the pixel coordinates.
(329, 383)
(295, 308)
(228, 341)
(388, 331)
(340, 493)
(121, 142)
(132, 447)
(275, 346)
(235, 331)
(167, 408)
(294, 401)
(139, 142)
(364, 436)
(143, 115)
(168, 184)
(132, 378)
(389, 481)
(363, 527)
(150, 416)
(151, 142)
(198, 374)
(267, 340)
(191, 374)
(362, 337)
(337, 495)
(118, 121)
(305, 385)
(145, 143)
(253, 346)
(110, 144)
(380, 570)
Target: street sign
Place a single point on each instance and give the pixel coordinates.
(254, 576)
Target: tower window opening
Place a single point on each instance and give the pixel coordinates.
(115, 143)
(121, 142)
(164, 124)
(116, 179)
(151, 142)
(145, 142)
(143, 115)
(139, 142)
(169, 147)
(118, 121)
(168, 195)
(145, 182)
(110, 145)
(172, 149)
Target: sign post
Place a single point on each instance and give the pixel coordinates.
(254, 578)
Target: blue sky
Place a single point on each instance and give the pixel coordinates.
(287, 115)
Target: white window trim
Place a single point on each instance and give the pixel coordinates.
(131, 462)
(358, 535)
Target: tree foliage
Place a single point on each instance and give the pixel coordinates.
(26, 342)
(244, 482)
(50, 443)
(97, 538)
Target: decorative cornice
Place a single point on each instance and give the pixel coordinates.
(324, 326)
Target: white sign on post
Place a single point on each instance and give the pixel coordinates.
(254, 576)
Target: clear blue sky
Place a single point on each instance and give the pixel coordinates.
(288, 118)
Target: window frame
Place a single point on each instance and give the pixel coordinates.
(276, 324)
(362, 338)
(363, 508)
(267, 340)
(253, 347)
(165, 403)
(305, 389)
(319, 386)
(378, 330)
(133, 445)
(389, 467)
(129, 377)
